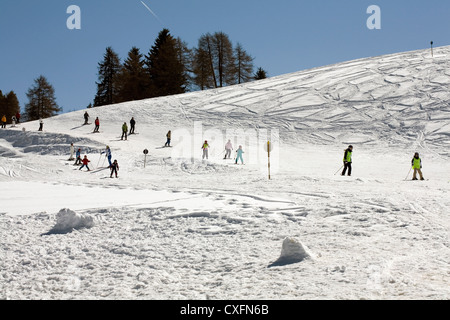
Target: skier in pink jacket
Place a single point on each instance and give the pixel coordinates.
(228, 148)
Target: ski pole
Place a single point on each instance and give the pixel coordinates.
(408, 174)
(99, 160)
(339, 170)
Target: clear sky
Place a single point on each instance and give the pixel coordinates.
(283, 36)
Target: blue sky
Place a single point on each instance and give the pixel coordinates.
(283, 36)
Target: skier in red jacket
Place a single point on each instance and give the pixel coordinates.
(85, 163)
(97, 125)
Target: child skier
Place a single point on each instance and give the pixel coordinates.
(85, 163)
(114, 168)
(228, 148)
(205, 148)
(78, 155)
(4, 122)
(239, 153)
(416, 163)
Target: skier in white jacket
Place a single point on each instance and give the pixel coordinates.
(72, 151)
(228, 148)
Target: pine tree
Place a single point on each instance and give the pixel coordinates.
(224, 59)
(9, 105)
(107, 87)
(164, 67)
(214, 63)
(244, 65)
(12, 105)
(186, 58)
(133, 78)
(42, 101)
(260, 74)
(204, 73)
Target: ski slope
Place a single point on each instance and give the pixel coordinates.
(179, 227)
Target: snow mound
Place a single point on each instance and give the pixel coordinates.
(68, 220)
(292, 251)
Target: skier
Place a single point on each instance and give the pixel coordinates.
(18, 117)
(78, 155)
(97, 125)
(169, 137)
(85, 163)
(348, 161)
(41, 124)
(205, 148)
(228, 148)
(114, 168)
(124, 131)
(13, 121)
(108, 154)
(132, 124)
(72, 151)
(239, 153)
(4, 121)
(86, 118)
(416, 163)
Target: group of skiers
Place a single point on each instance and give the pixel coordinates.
(113, 166)
(228, 149)
(14, 120)
(416, 164)
(124, 126)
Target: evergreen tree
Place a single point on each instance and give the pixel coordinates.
(107, 87)
(133, 78)
(2, 104)
(214, 64)
(224, 59)
(12, 105)
(204, 73)
(167, 73)
(260, 74)
(42, 101)
(186, 58)
(244, 65)
(9, 105)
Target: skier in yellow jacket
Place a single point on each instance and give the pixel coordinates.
(416, 163)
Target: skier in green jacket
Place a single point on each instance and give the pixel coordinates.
(124, 131)
(348, 161)
(416, 163)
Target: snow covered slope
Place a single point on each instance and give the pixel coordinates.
(177, 227)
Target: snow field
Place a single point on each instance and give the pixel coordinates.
(183, 228)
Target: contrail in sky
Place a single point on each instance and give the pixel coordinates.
(151, 12)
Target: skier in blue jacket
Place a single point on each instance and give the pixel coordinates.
(239, 153)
